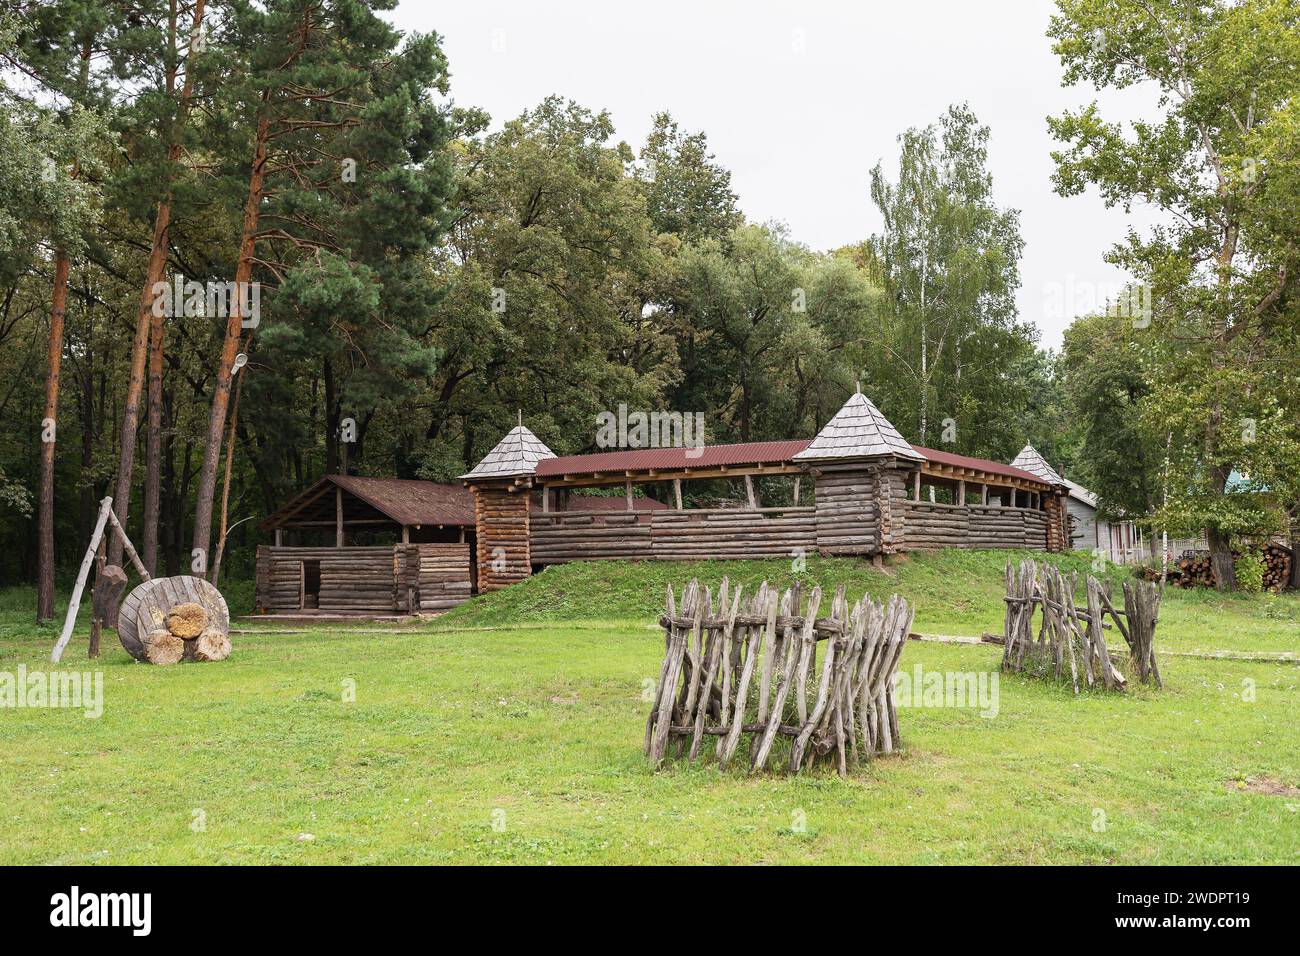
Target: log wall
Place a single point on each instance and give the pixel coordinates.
(848, 520)
(1057, 534)
(931, 526)
(563, 536)
(501, 544)
(443, 575)
(401, 578)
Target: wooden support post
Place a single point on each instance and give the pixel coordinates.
(961, 492)
(406, 534)
(984, 494)
(749, 491)
(797, 479)
(627, 490)
(677, 492)
(338, 517)
(74, 602)
(932, 494)
(129, 548)
(546, 500)
(916, 485)
(279, 537)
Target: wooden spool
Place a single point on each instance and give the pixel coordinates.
(146, 608)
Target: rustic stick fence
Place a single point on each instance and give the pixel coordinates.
(748, 669)
(1073, 635)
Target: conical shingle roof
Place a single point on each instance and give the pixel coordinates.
(858, 430)
(1031, 461)
(516, 454)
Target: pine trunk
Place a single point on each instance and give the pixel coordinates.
(45, 536)
(202, 539)
(153, 446)
(149, 334)
(135, 385)
(225, 485)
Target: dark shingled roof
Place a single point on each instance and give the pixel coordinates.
(406, 501)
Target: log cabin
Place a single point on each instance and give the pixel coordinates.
(357, 546)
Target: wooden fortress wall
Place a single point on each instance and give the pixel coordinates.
(857, 511)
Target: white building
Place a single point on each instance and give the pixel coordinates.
(1122, 541)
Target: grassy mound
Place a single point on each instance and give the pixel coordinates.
(952, 589)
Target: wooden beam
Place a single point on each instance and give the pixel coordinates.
(406, 534)
(984, 494)
(677, 492)
(279, 537)
(338, 517)
(749, 491)
(916, 485)
(797, 480)
(961, 492)
(627, 493)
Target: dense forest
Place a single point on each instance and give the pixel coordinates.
(246, 244)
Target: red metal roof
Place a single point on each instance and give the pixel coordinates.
(747, 453)
(977, 464)
(666, 459)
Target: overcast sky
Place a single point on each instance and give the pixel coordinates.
(800, 100)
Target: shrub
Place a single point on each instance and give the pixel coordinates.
(1250, 572)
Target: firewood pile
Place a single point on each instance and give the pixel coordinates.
(1277, 566)
(1194, 569)
(167, 620)
(748, 669)
(1073, 635)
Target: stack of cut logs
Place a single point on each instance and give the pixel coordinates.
(1195, 570)
(748, 668)
(165, 620)
(1277, 567)
(189, 635)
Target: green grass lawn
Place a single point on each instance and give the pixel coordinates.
(524, 709)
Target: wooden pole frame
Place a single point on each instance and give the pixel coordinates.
(105, 508)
